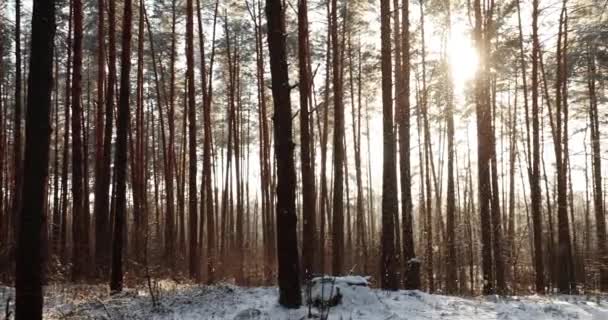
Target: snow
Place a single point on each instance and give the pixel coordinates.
(225, 301)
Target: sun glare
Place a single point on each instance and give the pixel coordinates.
(463, 56)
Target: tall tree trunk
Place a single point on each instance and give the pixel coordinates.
(56, 224)
(497, 241)
(79, 235)
(483, 154)
(120, 160)
(66, 143)
(102, 204)
(207, 145)
(535, 190)
(451, 276)
(324, 139)
(3, 213)
(100, 216)
(264, 147)
(338, 186)
(411, 264)
(511, 247)
(169, 252)
(137, 160)
(17, 150)
(362, 235)
(600, 220)
(287, 246)
(566, 273)
(28, 281)
(192, 208)
(427, 162)
(309, 238)
(388, 270)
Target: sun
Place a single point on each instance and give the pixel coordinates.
(463, 57)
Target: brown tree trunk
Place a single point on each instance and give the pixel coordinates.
(535, 172)
(338, 185)
(79, 234)
(100, 216)
(324, 139)
(451, 267)
(122, 124)
(287, 246)
(102, 208)
(600, 224)
(66, 144)
(388, 270)
(427, 163)
(309, 239)
(206, 189)
(497, 242)
(169, 247)
(483, 154)
(192, 207)
(566, 283)
(29, 264)
(411, 264)
(17, 150)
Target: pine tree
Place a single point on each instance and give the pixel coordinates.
(287, 246)
(120, 160)
(28, 281)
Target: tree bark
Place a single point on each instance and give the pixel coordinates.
(535, 190)
(28, 282)
(388, 271)
(17, 150)
(122, 125)
(287, 246)
(309, 238)
(79, 230)
(100, 215)
(338, 185)
(596, 160)
(192, 207)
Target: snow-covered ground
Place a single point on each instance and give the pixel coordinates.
(358, 302)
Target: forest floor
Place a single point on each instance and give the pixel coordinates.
(225, 301)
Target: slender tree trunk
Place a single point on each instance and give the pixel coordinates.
(192, 207)
(28, 282)
(497, 241)
(102, 208)
(535, 172)
(79, 250)
(169, 252)
(338, 185)
(3, 213)
(511, 247)
(138, 161)
(411, 264)
(287, 247)
(100, 216)
(122, 124)
(17, 150)
(208, 138)
(427, 161)
(66, 144)
(483, 154)
(451, 276)
(388, 271)
(324, 139)
(309, 239)
(600, 225)
(566, 282)
(56, 224)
